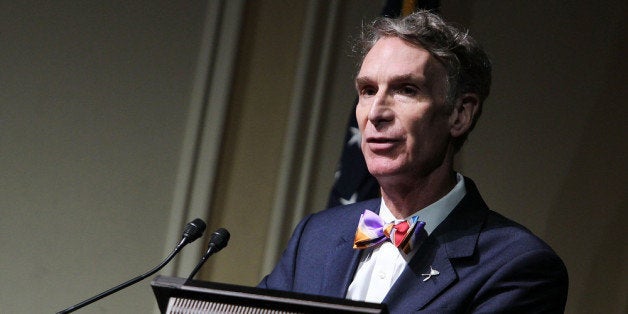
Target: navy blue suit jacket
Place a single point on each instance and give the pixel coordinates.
(487, 263)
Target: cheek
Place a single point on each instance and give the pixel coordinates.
(427, 128)
(361, 115)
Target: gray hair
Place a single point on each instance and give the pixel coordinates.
(468, 66)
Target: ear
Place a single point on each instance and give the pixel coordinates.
(465, 109)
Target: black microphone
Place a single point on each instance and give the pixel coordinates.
(217, 242)
(193, 230)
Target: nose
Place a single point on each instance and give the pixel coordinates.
(381, 112)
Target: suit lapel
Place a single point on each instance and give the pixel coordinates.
(340, 269)
(455, 237)
(410, 292)
(343, 260)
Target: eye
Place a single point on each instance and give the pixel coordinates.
(367, 90)
(408, 90)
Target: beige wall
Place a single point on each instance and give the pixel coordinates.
(93, 102)
(93, 105)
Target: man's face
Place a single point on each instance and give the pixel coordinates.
(401, 112)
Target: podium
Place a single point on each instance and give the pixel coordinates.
(175, 296)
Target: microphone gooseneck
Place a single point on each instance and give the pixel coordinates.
(217, 242)
(193, 230)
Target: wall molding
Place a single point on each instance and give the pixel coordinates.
(209, 101)
(302, 133)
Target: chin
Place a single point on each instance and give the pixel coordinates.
(384, 170)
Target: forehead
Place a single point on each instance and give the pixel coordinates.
(393, 57)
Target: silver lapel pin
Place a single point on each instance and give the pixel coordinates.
(433, 272)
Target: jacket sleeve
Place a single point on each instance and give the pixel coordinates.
(536, 282)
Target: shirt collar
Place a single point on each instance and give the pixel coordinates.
(436, 212)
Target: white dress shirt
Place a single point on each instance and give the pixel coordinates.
(380, 266)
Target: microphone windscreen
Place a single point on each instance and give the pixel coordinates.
(194, 229)
(219, 239)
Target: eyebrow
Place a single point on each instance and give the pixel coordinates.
(363, 80)
(416, 79)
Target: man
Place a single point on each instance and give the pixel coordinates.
(430, 243)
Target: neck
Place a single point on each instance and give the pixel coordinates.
(406, 197)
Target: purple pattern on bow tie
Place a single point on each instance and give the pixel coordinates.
(372, 230)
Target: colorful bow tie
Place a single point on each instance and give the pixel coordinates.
(372, 231)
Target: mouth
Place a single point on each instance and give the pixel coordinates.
(382, 144)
